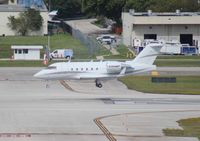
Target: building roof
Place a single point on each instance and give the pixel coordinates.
(19, 8)
(26, 47)
(151, 18)
(150, 13)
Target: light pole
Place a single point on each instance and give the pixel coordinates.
(49, 9)
(49, 4)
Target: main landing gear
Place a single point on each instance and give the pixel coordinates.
(98, 83)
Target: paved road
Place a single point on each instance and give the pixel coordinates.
(19, 73)
(31, 111)
(86, 26)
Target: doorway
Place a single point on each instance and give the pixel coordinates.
(186, 39)
(150, 36)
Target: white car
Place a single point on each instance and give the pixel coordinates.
(108, 39)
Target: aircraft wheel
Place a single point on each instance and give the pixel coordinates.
(100, 85)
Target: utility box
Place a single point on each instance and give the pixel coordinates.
(163, 79)
(189, 50)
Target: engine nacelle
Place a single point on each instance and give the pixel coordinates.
(114, 67)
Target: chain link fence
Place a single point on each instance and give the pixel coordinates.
(90, 42)
(94, 48)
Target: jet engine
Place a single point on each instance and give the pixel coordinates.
(114, 67)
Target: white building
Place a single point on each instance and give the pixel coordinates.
(9, 8)
(26, 52)
(178, 26)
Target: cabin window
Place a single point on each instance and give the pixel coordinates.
(81, 69)
(51, 68)
(91, 68)
(71, 69)
(76, 69)
(86, 69)
(96, 68)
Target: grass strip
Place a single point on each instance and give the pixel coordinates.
(58, 41)
(185, 85)
(177, 63)
(191, 128)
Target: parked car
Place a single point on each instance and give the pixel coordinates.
(62, 53)
(108, 39)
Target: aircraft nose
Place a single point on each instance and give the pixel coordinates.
(38, 75)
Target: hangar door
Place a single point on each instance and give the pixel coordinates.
(150, 36)
(186, 39)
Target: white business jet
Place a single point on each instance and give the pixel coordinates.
(102, 70)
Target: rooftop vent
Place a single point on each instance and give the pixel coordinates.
(149, 12)
(131, 11)
(178, 12)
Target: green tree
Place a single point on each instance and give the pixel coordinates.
(66, 8)
(30, 20)
(162, 5)
(108, 8)
(138, 5)
(69, 8)
(95, 7)
(113, 8)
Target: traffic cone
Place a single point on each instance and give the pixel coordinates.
(45, 62)
(12, 58)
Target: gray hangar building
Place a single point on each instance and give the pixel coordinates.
(179, 26)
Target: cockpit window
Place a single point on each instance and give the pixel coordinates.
(55, 51)
(51, 68)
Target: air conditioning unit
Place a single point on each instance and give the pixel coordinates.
(131, 11)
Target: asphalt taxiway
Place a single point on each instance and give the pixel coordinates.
(31, 110)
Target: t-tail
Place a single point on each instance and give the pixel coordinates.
(148, 54)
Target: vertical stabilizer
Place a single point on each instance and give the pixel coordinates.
(148, 54)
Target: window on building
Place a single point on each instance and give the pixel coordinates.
(15, 51)
(19, 51)
(25, 51)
